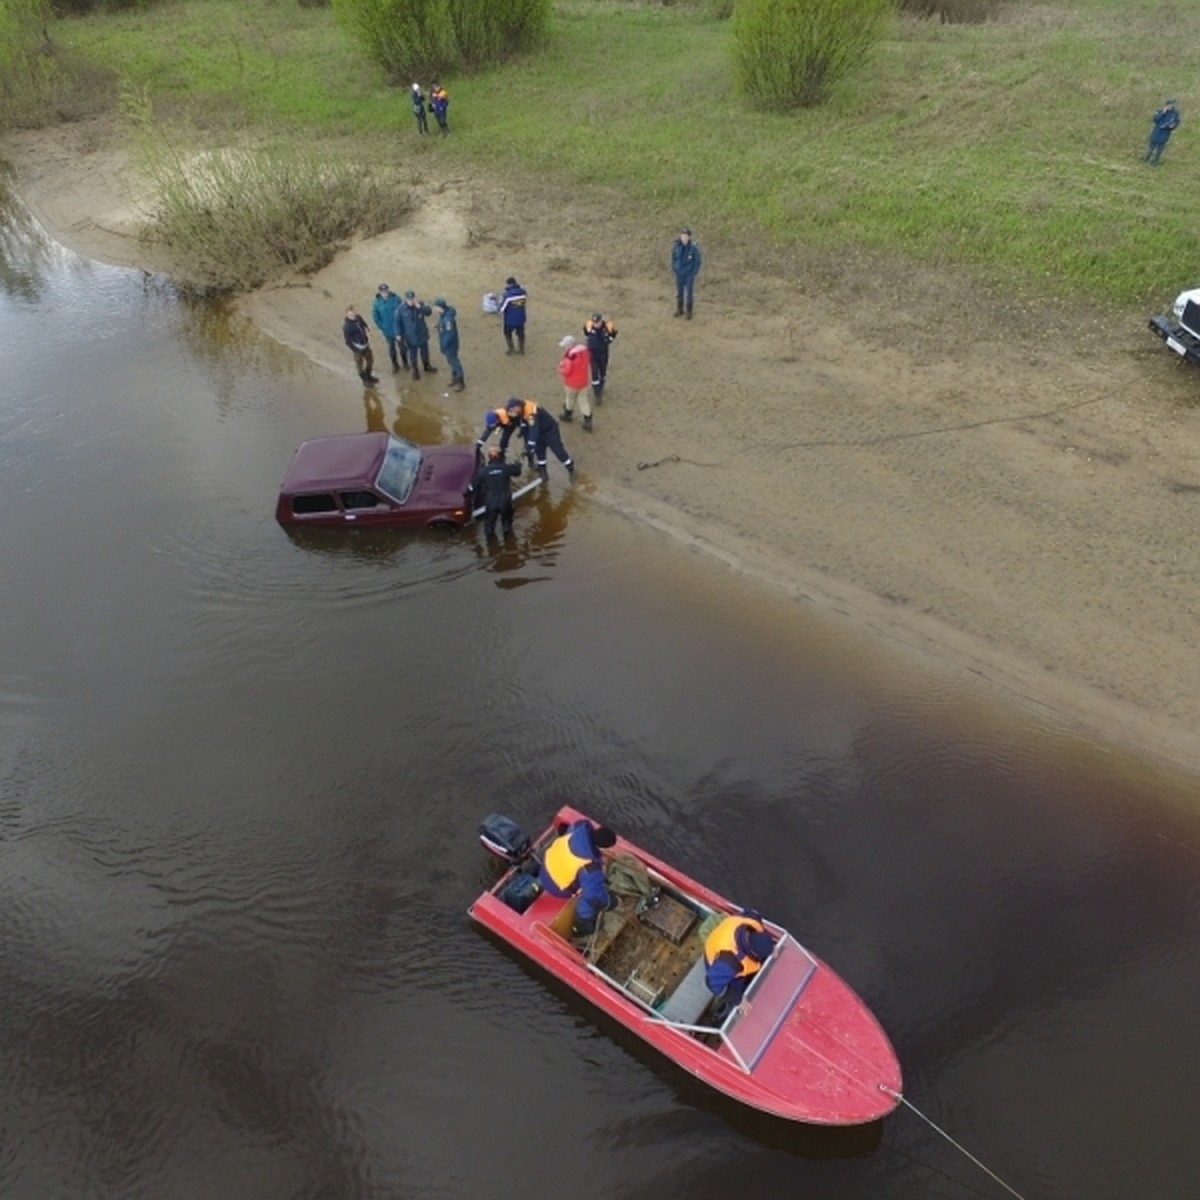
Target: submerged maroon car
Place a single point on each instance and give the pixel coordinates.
(376, 479)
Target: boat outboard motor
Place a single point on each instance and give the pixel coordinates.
(504, 838)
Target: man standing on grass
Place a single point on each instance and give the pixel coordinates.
(439, 101)
(685, 262)
(1164, 122)
(356, 337)
(418, 107)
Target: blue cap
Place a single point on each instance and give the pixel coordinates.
(492, 419)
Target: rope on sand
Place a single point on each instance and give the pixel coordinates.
(957, 1145)
(674, 458)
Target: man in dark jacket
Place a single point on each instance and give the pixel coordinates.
(356, 337)
(1164, 122)
(447, 331)
(439, 101)
(492, 483)
(418, 107)
(512, 314)
(573, 865)
(600, 335)
(685, 262)
(383, 313)
(411, 326)
(734, 952)
(540, 431)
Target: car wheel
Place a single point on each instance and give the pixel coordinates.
(442, 526)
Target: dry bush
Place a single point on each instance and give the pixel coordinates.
(234, 219)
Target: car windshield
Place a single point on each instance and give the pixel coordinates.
(399, 470)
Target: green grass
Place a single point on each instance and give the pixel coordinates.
(1010, 148)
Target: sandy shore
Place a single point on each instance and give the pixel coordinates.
(1011, 490)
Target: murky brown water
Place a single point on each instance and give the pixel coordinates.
(240, 776)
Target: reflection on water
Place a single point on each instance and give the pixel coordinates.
(25, 252)
(241, 770)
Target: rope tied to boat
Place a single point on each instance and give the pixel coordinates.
(883, 1087)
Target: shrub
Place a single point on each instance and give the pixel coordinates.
(234, 219)
(405, 37)
(26, 58)
(420, 37)
(790, 53)
(39, 82)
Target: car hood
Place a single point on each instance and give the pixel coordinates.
(445, 471)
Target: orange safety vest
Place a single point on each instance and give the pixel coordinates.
(527, 413)
(724, 938)
(590, 326)
(562, 864)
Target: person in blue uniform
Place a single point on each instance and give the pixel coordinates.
(411, 326)
(512, 314)
(1164, 122)
(734, 953)
(439, 101)
(383, 313)
(685, 262)
(574, 866)
(540, 431)
(447, 331)
(600, 335)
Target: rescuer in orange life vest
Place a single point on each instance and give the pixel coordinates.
(733, 954)
(574, 866)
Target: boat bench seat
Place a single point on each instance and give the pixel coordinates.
(688, 1001)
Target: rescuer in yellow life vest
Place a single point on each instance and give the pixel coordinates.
(733, 954)
(574, 866)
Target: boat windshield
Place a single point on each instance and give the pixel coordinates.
(399, 471)
(769, 1000)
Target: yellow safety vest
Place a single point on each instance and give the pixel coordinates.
(563, 864)
(724, 938)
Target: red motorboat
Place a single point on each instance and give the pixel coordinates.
(801, 1045)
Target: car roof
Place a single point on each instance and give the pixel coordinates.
(332, 462)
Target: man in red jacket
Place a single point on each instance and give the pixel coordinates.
(575, 367)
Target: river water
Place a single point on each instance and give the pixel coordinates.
(241, 773)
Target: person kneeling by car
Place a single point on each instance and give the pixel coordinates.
(574, 866)
(495, 477)
(734, 953)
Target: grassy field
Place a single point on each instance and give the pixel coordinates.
(1012, 148)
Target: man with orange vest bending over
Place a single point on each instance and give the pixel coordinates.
(733, 954)
(540, 431)
(574, 866)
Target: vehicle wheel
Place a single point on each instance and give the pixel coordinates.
(442, 526)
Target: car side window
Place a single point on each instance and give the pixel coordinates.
(361, 499)
(312, 503)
